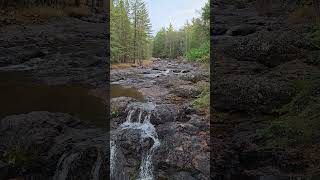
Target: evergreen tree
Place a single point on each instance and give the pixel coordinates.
(159, 44)
(192, 41)
(130, 31)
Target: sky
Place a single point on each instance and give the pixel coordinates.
(162, 12)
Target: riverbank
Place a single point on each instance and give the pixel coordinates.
(60, 66)
(263, 73)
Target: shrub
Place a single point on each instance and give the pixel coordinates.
(203, 100)
(201, 54)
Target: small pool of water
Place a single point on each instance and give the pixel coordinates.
(20, 94)
(118, 91)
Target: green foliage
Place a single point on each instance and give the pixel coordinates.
(159, 44)
(314, 36)
(201, 54)
(300, 124)
(190, 41)
(20, 157)
(115, 112)
(129, 30)
(314, 58)
(203, 101)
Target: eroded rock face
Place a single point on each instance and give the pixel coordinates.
(120, 104)
(182, 149)
(268, 48)
(57, 144)
(56, 51)
(255, 72)
(164, 113)
(241, 30)
(250, 93)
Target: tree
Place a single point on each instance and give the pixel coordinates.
(192, 41)
(159, 44)
(130, 31)
(141, 29)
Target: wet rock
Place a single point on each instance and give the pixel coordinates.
(58, 144)
(182, 175)
(128, 140)
(180, 145)
(184, 113)
(4, 170)
(193, 76)
(268, 48)
(232, 66)
(241, 30)
(185, 71)
(56, 52)
(164, 113)
(186, 91)
(249, 93)
(219, 30)
(200, 122)
(118, 105)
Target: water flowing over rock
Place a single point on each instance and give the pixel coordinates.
(133, 145)
(59, 145)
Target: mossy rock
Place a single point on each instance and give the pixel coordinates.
(300, 122)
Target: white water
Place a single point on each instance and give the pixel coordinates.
(147, 131)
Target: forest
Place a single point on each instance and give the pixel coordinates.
(192, 41)
(130, 31)
(131, 37)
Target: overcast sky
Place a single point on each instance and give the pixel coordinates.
(162, 12)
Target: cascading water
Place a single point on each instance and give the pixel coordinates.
(147, 131)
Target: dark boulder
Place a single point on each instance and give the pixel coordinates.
(186, 91)
(241, 30)
(251, 93)
(54, 144)
(268, 48)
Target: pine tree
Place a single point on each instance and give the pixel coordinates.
(141, 29)
(159, 44)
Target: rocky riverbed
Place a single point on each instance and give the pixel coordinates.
(182, 130)
(59, 66)
(68, 55)
(261, 63)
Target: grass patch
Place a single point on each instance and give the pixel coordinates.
(20, 157)
(115, 112)
(203, 101)
(314, 36)
(301, 122)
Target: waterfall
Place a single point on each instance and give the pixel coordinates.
(147, 131)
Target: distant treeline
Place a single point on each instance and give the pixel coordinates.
(191, 41)
(4, 4)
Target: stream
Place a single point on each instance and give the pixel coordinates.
(141, 123)
(147, 126)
